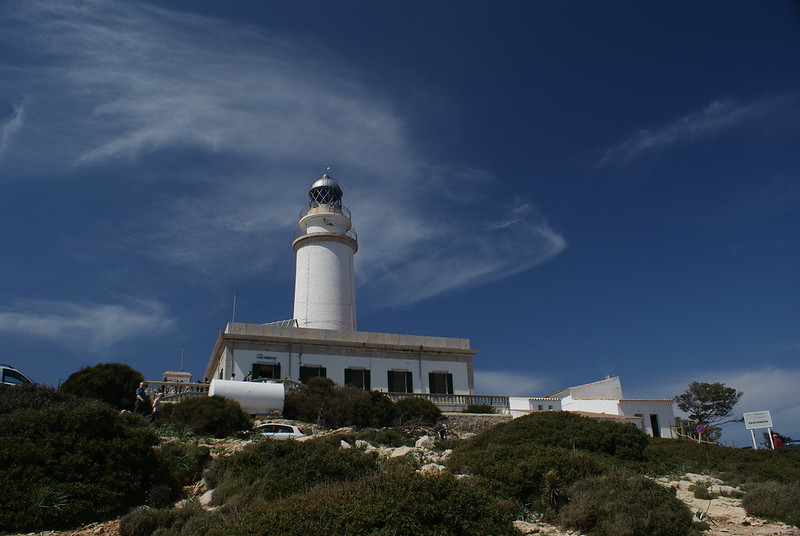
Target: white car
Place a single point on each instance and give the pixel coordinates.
(279, 431)
(11, 376)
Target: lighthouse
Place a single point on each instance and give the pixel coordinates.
(324, 292)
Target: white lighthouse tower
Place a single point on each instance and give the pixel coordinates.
(324, 292)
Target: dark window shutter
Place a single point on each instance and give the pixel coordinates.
(431, 382)
(323, 372)
(449, 384)
(391, 381)
(256, 370)
(276, 371)
(409, 383)
(348, 376)
(367, 384)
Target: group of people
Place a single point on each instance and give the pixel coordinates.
(143, 406)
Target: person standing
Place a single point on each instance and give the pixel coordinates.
(142, 404)
(156, 407)
(776, 441)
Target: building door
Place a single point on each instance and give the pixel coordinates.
(654, 425)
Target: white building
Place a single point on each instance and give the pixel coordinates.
(604, 400)
(322, 338)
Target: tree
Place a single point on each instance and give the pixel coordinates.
(113, 383)
(708, 403)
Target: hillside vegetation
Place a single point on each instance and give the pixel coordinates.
(77, 460)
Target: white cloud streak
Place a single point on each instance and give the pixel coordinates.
(716, 117)
(89, 326)
(249, 114)
(10, 125)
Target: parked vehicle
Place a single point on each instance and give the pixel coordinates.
(279, 431)
(11, 376)
(794, 444)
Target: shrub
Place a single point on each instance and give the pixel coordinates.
(569, 431)
(418, 411)
(734, 466)
(701, 491)
(216, 416)
(69, 461)
(325, 403)
(272, 469)
(184, 461)
(113, 383)
(387, 437)
(399, 502)
(479, 408)
(190, 517)
(778, 502)
(526, 474)
(625, 504)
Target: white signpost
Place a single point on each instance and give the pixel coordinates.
(758, 419)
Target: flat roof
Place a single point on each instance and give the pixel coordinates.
(352, 337)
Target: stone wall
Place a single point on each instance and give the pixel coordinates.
(474, 423)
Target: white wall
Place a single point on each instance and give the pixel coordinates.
(521, 405)
(663, 411)
(610, 388)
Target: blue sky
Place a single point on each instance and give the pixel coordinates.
(582, 189)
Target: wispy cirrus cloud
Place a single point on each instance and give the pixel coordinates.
(11, 124)
(245, 120)
(716, 117)
(89, 326)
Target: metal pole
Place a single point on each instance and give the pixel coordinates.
(233, 320)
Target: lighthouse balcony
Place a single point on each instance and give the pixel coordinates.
(350, 233)
(326, 208)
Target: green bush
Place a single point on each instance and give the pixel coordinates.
(113, 383)
(184, 461)
(734, 466)
(774, 501)
(190, 517)
(479, 408)
(272, 469)
(625, 504)
(569, 431)
(399, 502)
(68, 461)
(327, 404)
(518, 472)
(215, 416)
(701, 491)
(387, 437)
(418, 411)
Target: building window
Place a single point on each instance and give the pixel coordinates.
(307, 373)
(541, 407)
(358, 378)
(400, 381)
(440, 383)
(272, 372)
(550, 408)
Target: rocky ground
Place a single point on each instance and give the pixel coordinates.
(725, 515)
